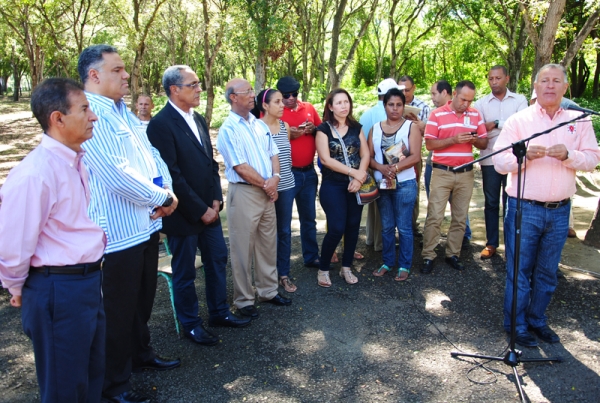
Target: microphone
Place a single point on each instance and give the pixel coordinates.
(580, 109)
(570, 105)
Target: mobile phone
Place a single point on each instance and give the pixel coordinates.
(474, 133)
(302, 126)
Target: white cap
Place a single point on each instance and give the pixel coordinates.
(387, 85)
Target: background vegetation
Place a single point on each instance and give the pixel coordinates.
(324, 43)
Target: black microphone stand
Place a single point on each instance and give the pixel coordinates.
(513, 356)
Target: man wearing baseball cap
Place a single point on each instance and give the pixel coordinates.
(368, 119)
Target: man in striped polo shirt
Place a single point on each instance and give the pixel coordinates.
(451, 133)
(130, 186)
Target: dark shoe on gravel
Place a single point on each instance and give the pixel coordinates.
(427, 266)
(546, 334)
(455, 263)
(525, 339)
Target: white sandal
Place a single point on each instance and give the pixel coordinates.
(323, 279)
(346, 274)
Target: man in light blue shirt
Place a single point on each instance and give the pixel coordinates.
(252, 169)
(368, 119)
(130, 187)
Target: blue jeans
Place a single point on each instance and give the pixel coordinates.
(343, 219)
(428, 172)
(214, 256)
(493, 185)
(305, 194)
(395, 209)
(543, 235)
(283, 209)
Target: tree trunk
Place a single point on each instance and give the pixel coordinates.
(16, 83)
(332, 74)
(596, 85)
(135, 82)
(581, 36)
(260, 71)
(592, 237)
(543, 42)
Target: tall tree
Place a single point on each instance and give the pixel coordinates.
(25, 22)
(272, 34)
(363, 10)
(137, 19)
(541, 22)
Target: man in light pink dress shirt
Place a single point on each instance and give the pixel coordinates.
(51, 250)
(548, 179)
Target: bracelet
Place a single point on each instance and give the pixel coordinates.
(349, 169)
(396, 167)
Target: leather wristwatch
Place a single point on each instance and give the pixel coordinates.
(168, 202)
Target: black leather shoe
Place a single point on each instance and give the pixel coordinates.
(427, 267)
(202, 336)
(249, 310)
(157, 364)
(525, 339)
(546, 334)
(315, 264)
(278, 300)
(230, 320)
(130, 396)
(455, 263)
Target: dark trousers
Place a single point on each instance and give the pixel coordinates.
(493, 187)
(214, 256)
(64, 317)
(343, 219)
(129, 287)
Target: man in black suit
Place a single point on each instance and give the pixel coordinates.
(181, 135)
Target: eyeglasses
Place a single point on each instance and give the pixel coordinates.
(290, 94)
(192, 86)
(247, 92)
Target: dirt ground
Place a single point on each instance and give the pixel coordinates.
(376, 341)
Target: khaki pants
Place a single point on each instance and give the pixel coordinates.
(442, 184)
(374, 227)
(252, 223)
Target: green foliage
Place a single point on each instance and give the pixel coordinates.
(593, 104)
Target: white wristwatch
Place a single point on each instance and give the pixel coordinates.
(277, 175)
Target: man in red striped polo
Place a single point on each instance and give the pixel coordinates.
(451, 132)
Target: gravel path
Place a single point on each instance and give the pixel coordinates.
(371, 342)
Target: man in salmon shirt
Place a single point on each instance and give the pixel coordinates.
(451, 133)
(548, 184)
(303, 120)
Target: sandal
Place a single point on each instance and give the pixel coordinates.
(348, 275)
(323, 279)
(381, 271)
(358, 255)
(334, 258)
(402, 274)
(287, 284)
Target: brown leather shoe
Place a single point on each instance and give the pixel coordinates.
(572, 233)
(488, 252)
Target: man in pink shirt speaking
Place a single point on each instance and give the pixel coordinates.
(548, 179)
(51, 250)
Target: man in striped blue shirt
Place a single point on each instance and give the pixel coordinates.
(130, 187)
(252, 169)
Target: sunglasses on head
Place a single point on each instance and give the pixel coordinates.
(290, 94)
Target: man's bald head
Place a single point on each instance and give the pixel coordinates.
(240, 95)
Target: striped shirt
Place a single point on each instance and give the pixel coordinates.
(285, 159)
(122, 165)
(444, 123)
(425, 110)
(242, 141)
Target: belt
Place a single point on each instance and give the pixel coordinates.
(548, 205)
(447, 168)
(84, 268)
(243, 183)
(304, 169)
